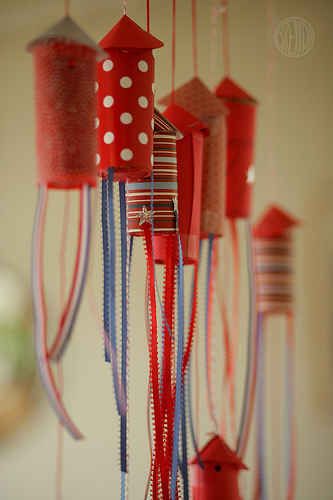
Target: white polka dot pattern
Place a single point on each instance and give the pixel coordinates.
(126, 82)
(126, 118)
(108, 137)
(143, 102)
(108, 65)
(108, 101)
(126, 154)
(125, 112)
(143, 138)
(143, 66)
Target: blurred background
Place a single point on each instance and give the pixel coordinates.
(293, 167)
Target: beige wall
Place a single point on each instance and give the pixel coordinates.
(302, 148)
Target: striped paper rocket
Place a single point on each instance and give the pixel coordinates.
(154, 199)
(273, 260)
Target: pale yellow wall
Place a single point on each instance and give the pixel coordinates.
(302, 149)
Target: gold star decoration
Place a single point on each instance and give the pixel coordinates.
(145, 216)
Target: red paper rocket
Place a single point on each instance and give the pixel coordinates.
(190, 161)
(240, 147)
(155, 200)
(197, 99)
(215, 474)
(65, 73)
(273, 260)
(126, 101)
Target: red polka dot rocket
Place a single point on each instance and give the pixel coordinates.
(126, 101)
(65, 72)
(240, 147)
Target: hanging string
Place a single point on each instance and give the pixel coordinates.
(173, 56)
(194, 38)
(66, 7)
(62, 292)
(148, 15)
(125, 7)
(225, 37)
(290, 413)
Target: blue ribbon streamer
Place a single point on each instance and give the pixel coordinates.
(124, 326)
(261, 409)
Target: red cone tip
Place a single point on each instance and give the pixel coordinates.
(67, 31)
(274, 223)
(229, 89)
(216, 450)
(126, 34)
(184, 120)
(197, 90)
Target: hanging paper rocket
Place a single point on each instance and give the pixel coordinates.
(274, 290)
(65, 72)
(215, 472)
(152, 210)
(240, 147)
(198, 100)
(239, 182)
(189, 161)
(126, 101)
(125, 130)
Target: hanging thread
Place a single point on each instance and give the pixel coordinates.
(66, 7)
(173, 56)
(148, 15)
(194, 38)
(225, 37)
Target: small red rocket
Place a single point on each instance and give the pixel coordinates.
(240, 147)
(215, 471)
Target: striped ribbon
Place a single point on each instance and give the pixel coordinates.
(261, 428)
(119, 374)
(69, 314)
(251, 361)
(210, 278)
(39, 303)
